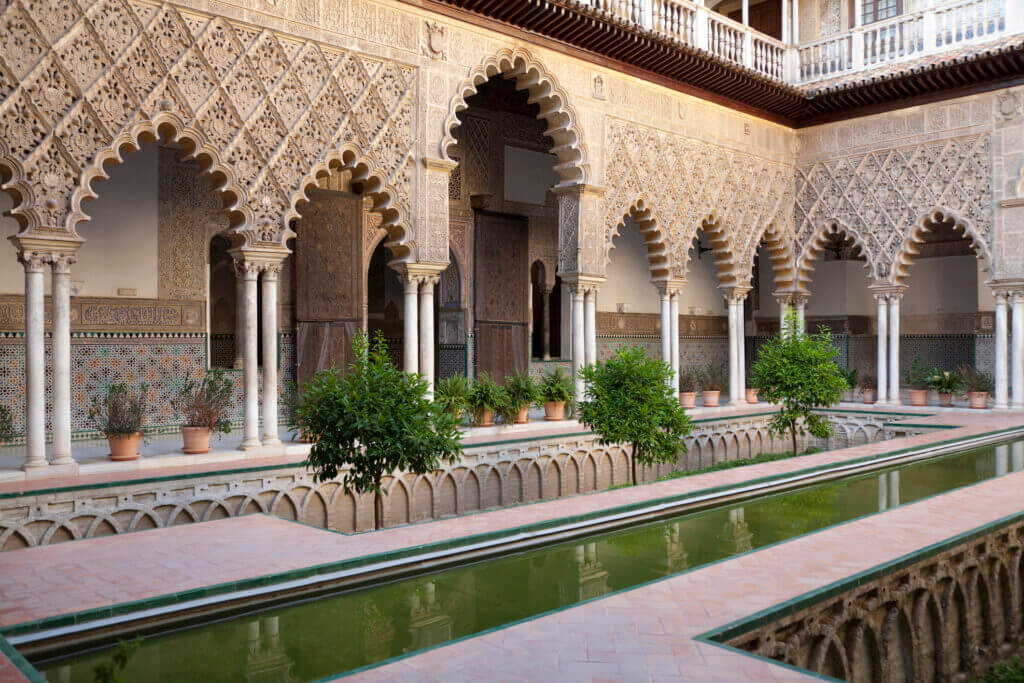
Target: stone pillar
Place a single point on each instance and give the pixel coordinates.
(61, 272)
(801, 318)
(410, 342)
(674, 314)
(35, 361)
(1002, 390)
(784, 308)
(578, 342)
(1017, 348)
(734, 379)
(546, 323)
(250, 362)
(590, 323)
(666, 326)
(238, 343)
(427, 330)
(894, 348)
(742, 348)
(270, 271)
(883, 347)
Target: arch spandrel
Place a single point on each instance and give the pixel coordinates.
(260, 110)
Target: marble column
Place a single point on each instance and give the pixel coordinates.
(250, 361)
(734, 380)
(894, 348)
(1002, 390)
(741, 340)
(546, 324)
(666, 328)
(1017, 351)
(35, 361)
(883, 347)
(270, 271)
(410, 342)
(427, 331)
(61, 291)
(590, 323)
(784, 309)
(578, 341)
(801, 318)
(674, 314)
(238, 344)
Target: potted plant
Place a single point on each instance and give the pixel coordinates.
(946, 383)
(712, 381)
(919, 379)
(751, 395)
(452, 394)
(851, 382)
(6, 424)
(868, 384)
(977, 385)
(556, 390)
(689, 380)
(119, 415)
(523, 392)
(486, 397)
(204, 405)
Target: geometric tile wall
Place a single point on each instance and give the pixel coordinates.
(159, 360)
(694, 352)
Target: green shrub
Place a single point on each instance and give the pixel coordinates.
(917, 375)
(121, 410)
(486, 394)
(452, 394)
(6, 424)
(206, 403)
(850, 377)
(946, 382)
(373, 420)
(712, 377)
(522, 389)
(868, 383)
(798, 371)
(630, 401)
(974, 379)
(689, 380)
(1004, 672)
(557, 387)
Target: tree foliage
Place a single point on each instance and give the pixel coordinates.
(630, 401)
(373, 421)
(798, 371)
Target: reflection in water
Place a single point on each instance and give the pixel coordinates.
(333, 634)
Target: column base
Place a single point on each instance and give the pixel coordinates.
(1002, 408)
(68, 469)
(737, 403)
(249, 444)
(274, 441)
(35, 466)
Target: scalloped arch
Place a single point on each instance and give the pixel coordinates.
(170, 126)
(813, 248)
(648, 225)
(725, 261)
(563, 122)
(780, 253)
(908, 248)
(349, 157)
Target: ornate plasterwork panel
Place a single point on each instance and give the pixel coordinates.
(265, 110)
(684, 182)
(883, 198)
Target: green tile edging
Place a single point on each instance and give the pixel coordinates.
(738, 627)
(85, 616)
(23, 666)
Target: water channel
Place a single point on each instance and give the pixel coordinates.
(330, 635)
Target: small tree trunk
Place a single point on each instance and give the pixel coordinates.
(378, 507)
(792, 434)
(633, 463)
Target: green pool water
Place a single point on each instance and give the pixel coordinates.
(330, 635)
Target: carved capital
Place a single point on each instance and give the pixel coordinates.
(735, 295)
(61, 263)
(34, 261)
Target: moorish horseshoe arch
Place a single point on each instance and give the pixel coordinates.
(573, 167)
(812, 251)
(649, 227)
(717, 233)
(780, 253)
(904, 258)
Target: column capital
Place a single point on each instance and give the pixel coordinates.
(250, 261)
(35, 252)
(418, 273)
(579, 282)
(735, 295)
(670, 287)
(890, 292)
(790, 298)
(1007, 289)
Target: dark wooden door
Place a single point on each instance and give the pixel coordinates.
(501, 272)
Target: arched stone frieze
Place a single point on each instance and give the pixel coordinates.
(263, 111)
(882, 195)
(530, 75)
(691, 184)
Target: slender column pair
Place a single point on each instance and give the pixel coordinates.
(888, 352)
(584, 325)
(734, 298)
(35, 262)
(418, 339)
(670, 295)
(1009, 388)
(265, 274)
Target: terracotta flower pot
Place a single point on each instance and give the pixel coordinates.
(710, 398)
(688, 399)
(554, 411)
(124, 446)
(751, 396)
(197, 439)
(483, 417)
(523, 416)
(946, 400)
(978, 399)
(918, 397)
(867, 396)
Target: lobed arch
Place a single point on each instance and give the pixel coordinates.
(908, 248)
(564, 128)
(814, 246)
(725, 262)
(649, 226)
(780, 253)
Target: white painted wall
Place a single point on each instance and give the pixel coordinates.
(767, 305)
(839, 288)
(629, 276)
(946, 284)
(701, 295)
(528, 175)
(120, 249)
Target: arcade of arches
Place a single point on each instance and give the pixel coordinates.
(248, 196)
